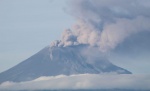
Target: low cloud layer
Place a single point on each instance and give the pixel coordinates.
(83, 81)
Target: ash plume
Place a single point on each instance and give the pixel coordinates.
(105, 23)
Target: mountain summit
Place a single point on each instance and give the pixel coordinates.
(52, 61)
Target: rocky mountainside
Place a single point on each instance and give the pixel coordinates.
(52, 61)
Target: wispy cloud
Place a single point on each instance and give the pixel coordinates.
(82, 81)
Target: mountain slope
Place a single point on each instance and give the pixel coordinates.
(52, 61)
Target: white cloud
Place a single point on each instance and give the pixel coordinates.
(82, 81)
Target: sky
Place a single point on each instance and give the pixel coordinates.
(27, 26)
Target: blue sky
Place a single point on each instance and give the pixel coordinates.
(26, 26)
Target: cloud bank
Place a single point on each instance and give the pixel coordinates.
(83, 81)
(106, 23)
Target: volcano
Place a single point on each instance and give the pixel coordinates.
(53, 60)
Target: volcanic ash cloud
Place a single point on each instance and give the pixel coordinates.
(105, 23)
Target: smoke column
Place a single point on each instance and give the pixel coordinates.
(105, 23)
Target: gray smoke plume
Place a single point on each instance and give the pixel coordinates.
(105, 23)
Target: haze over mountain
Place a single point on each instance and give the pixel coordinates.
(54, 60)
